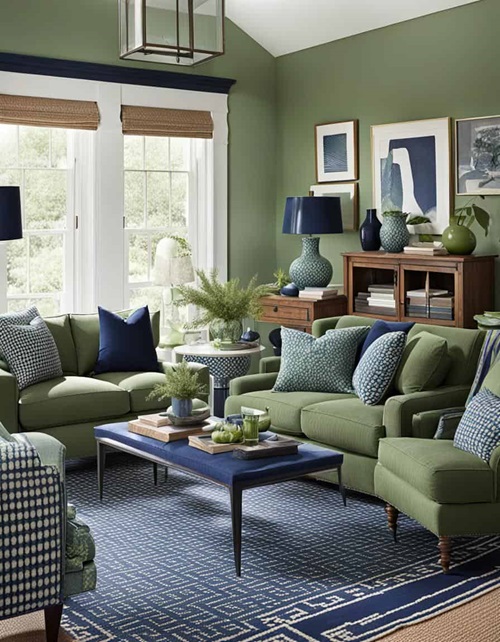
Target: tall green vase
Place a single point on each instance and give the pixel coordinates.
(311, 270)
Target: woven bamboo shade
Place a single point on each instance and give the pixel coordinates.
(155, 121)
(48, 112)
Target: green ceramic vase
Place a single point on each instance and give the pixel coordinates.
(311, 269)
(459, 239)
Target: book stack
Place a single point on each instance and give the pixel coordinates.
(159, 427)
(318, 294)
(424, 303)
(381, 299)
(426, 249)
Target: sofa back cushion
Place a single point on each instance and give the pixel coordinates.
(350, 321)
(85, 330)
(424, 365)
(60, 329)
(464, 348)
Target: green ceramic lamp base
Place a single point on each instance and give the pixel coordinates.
(311, 270)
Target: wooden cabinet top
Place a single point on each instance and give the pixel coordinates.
(419, 258)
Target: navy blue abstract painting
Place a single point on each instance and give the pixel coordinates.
(335, 153)
(408, 176)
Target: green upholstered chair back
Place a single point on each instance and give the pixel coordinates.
(85, 331)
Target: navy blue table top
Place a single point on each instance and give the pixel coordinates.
(223, 467)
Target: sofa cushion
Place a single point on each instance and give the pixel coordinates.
(424, 365)
(138, 385)
(284, 407)
(85, 330)
(68, 400)
(479, 429)
(347, 424)
(60, 328)
(325, 364)
(352, 321)
(438, 470)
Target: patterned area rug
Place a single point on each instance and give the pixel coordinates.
(312, 569)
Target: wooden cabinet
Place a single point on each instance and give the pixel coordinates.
(469, 279)
(293, 312)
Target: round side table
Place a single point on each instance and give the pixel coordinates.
(223, 365)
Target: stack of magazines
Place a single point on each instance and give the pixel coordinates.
(380, 299)
(431, 303)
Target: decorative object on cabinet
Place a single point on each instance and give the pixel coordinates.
(349, 201)
(394, 234)
(310, 215)
(441, 290)
(369, 232)
(458, 238)
(478, 155)
(290, 290)
(300, 313)
(337, 151)
(419, 188)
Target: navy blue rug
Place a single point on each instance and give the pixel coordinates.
(312, 569)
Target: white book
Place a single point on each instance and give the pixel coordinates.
(382, 295)
(379, 303)
(328, 288)
(423, 292)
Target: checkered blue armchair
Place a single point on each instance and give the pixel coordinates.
(46, 553)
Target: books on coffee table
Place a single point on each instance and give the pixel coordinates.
(167, 432)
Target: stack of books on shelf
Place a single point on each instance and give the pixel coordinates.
(318, 294)
(426, 249)
(432, 303)
(379, 299)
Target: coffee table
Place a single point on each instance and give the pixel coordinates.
(234, 474)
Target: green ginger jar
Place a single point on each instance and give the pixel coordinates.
(459, 239)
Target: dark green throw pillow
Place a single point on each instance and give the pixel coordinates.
(424, 365)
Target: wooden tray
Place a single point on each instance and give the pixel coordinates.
(167, 433)
(206, 444)
(276, 448)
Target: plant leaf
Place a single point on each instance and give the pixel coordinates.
(418, 220)
(482, 217)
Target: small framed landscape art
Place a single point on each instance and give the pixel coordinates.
(478, 155)
(412, 171)
(337, 151)
(349, 201)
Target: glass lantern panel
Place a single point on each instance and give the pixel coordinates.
(208, 26)
(131, 25)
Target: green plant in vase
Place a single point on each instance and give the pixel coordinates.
(181, 385)
(458, 238)
(223, 306)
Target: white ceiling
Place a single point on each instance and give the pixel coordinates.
(284, 26)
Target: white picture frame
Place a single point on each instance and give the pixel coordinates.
(336, 151)
(349, 199)
(411, 166)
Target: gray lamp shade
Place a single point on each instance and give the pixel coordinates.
(312, 215)
(10, 214)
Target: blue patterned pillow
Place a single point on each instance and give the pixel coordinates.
(376, 370)
(479, 429)
(325, 364)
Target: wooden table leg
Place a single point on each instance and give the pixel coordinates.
(341, 485)
(392, 519)
(445, 552)
(53, 622)
(236, 512)
(101, 465)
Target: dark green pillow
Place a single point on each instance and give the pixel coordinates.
(492, 379)
(424, 365)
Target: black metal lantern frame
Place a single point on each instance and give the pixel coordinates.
(192, 33)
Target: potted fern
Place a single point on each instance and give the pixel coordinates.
(181, 385)
(223, 306)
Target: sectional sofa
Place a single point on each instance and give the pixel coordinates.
(70, 406)
(342, 421)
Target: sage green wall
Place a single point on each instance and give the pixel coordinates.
(445, 64)
(88, 31)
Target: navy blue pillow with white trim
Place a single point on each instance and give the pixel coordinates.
(479, 429)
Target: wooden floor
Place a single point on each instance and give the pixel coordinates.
(477, 621)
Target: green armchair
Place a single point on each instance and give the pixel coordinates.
(38, 532)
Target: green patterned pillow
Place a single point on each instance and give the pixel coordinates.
(318, 365)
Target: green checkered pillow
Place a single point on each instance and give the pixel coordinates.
(318, 365)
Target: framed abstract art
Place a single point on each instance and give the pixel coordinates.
(349, 201)
(337, 151)
(411, 165)
(478, 155)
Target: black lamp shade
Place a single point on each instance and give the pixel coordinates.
(10, 214)
(312, 215)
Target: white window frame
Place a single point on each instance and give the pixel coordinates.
(99, 238)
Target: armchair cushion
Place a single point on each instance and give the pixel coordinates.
(448, 423)
(479, 429)
(439, 471)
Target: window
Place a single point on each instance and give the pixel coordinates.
(159, 183)
(39, 265)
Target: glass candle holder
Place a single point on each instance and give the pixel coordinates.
(250, 426)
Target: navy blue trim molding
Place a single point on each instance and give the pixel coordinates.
(23, 64)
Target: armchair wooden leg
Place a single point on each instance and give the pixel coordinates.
(392, 519)
(445, 552)
(52, 622)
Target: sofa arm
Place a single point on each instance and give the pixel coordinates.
(320, 326)
(425, 424)
(203, 375)
(269, 364)
(252, 383)
(495, 465)
(399, 410)
(9, 399)
(50, 450)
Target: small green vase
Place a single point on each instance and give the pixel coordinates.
(458, 239)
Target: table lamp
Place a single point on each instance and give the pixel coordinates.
(10, 214)
(312, 215)
(171, 269)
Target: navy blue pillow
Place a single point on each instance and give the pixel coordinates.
(379, 328)
(126, 345)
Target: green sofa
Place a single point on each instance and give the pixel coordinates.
(341, 421)
(69, 407)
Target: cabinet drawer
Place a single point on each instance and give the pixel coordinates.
(275, 312)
